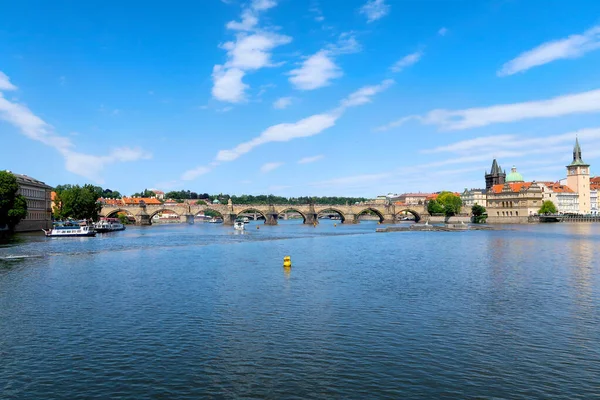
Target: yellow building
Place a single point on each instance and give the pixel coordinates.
(513, 201)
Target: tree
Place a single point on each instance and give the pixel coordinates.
(13, 206)
(479, 213)
(77, 202)
(111, 194)
(452, 203)
(548, 207)
(434, 207)
(144, 193)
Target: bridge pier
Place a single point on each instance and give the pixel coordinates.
(187, 218)
(389, 219)
(143, 218)
(229, 219)
(311, 219)
(271, 218)
(350, 219)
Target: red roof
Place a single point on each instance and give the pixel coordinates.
(515, 187)
(137, 200)
(558, 188)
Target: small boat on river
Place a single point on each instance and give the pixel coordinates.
(108, 225)
(70, 229)
(239, 225)
(214, 220)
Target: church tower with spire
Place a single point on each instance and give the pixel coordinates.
(578, 179)
(495, 177)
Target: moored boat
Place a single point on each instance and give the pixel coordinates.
(70, 230)
(215, 220)
(108, 225)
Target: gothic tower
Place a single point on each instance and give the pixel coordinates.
(578, 179)
(495, 177)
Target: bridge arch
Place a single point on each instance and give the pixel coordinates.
(371, 209)
(331, 210)
(282, 211)
(114, 212)
(252, 210)
(413, 212)
(161, 210)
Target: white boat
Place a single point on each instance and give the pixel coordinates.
(245, 219)
(108, 225)
(214, 220)
(239, 225)
(70, 230)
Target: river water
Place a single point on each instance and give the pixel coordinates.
(198, 311)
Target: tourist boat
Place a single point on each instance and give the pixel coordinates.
(108, 225)
(239, 225)
(70, 230)
(214, 220)
(245, 220)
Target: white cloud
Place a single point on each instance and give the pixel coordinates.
(248, 22)
(442, 31)
(573, 46)
(228, 85)
(33, 127)
(579, 103)
(346, 44)
(374, 10)
(5, 82)
(192, 174)
(364, 94)
(316, 71)
(407, 61)
(308, 160)
(494, 143)
(261, 5)
(306, 127)
(248, 52)
(282, 102)
(251, 52)
(268, 167)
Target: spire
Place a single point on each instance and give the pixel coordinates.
(495, 168)
(577, 160)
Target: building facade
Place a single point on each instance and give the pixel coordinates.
(513, 202)
(413, 199)
(564, 198)
(474, 196)
(39, 204)
(578, 179)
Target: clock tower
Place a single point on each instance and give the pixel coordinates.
(578, 179)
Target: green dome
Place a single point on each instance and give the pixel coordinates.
(514, 176)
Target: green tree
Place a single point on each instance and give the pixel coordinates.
(13, 206)
(435, 208)
(479, 213)
(145, 193)
(452, 203)
(77, 202)
(548, 207)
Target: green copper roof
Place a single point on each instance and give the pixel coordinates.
(514, 176)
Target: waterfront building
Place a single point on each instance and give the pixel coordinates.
(578, 179)
(594, 202)
(413, 199)
(160, 195)
(564, 198)
(496, 176)
(39, 204)
(515, 200)
(474, 196)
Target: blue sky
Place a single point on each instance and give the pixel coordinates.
(297, 97)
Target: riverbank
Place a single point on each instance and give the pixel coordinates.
(437, 228)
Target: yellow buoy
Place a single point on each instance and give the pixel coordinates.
(287, 262)
(334, 225)
(257, 227)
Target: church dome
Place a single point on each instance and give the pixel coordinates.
(514, 176)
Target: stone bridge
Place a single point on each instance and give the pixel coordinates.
(348, 213)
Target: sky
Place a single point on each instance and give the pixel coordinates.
(297, 97)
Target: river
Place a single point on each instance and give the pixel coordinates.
(199, 311)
